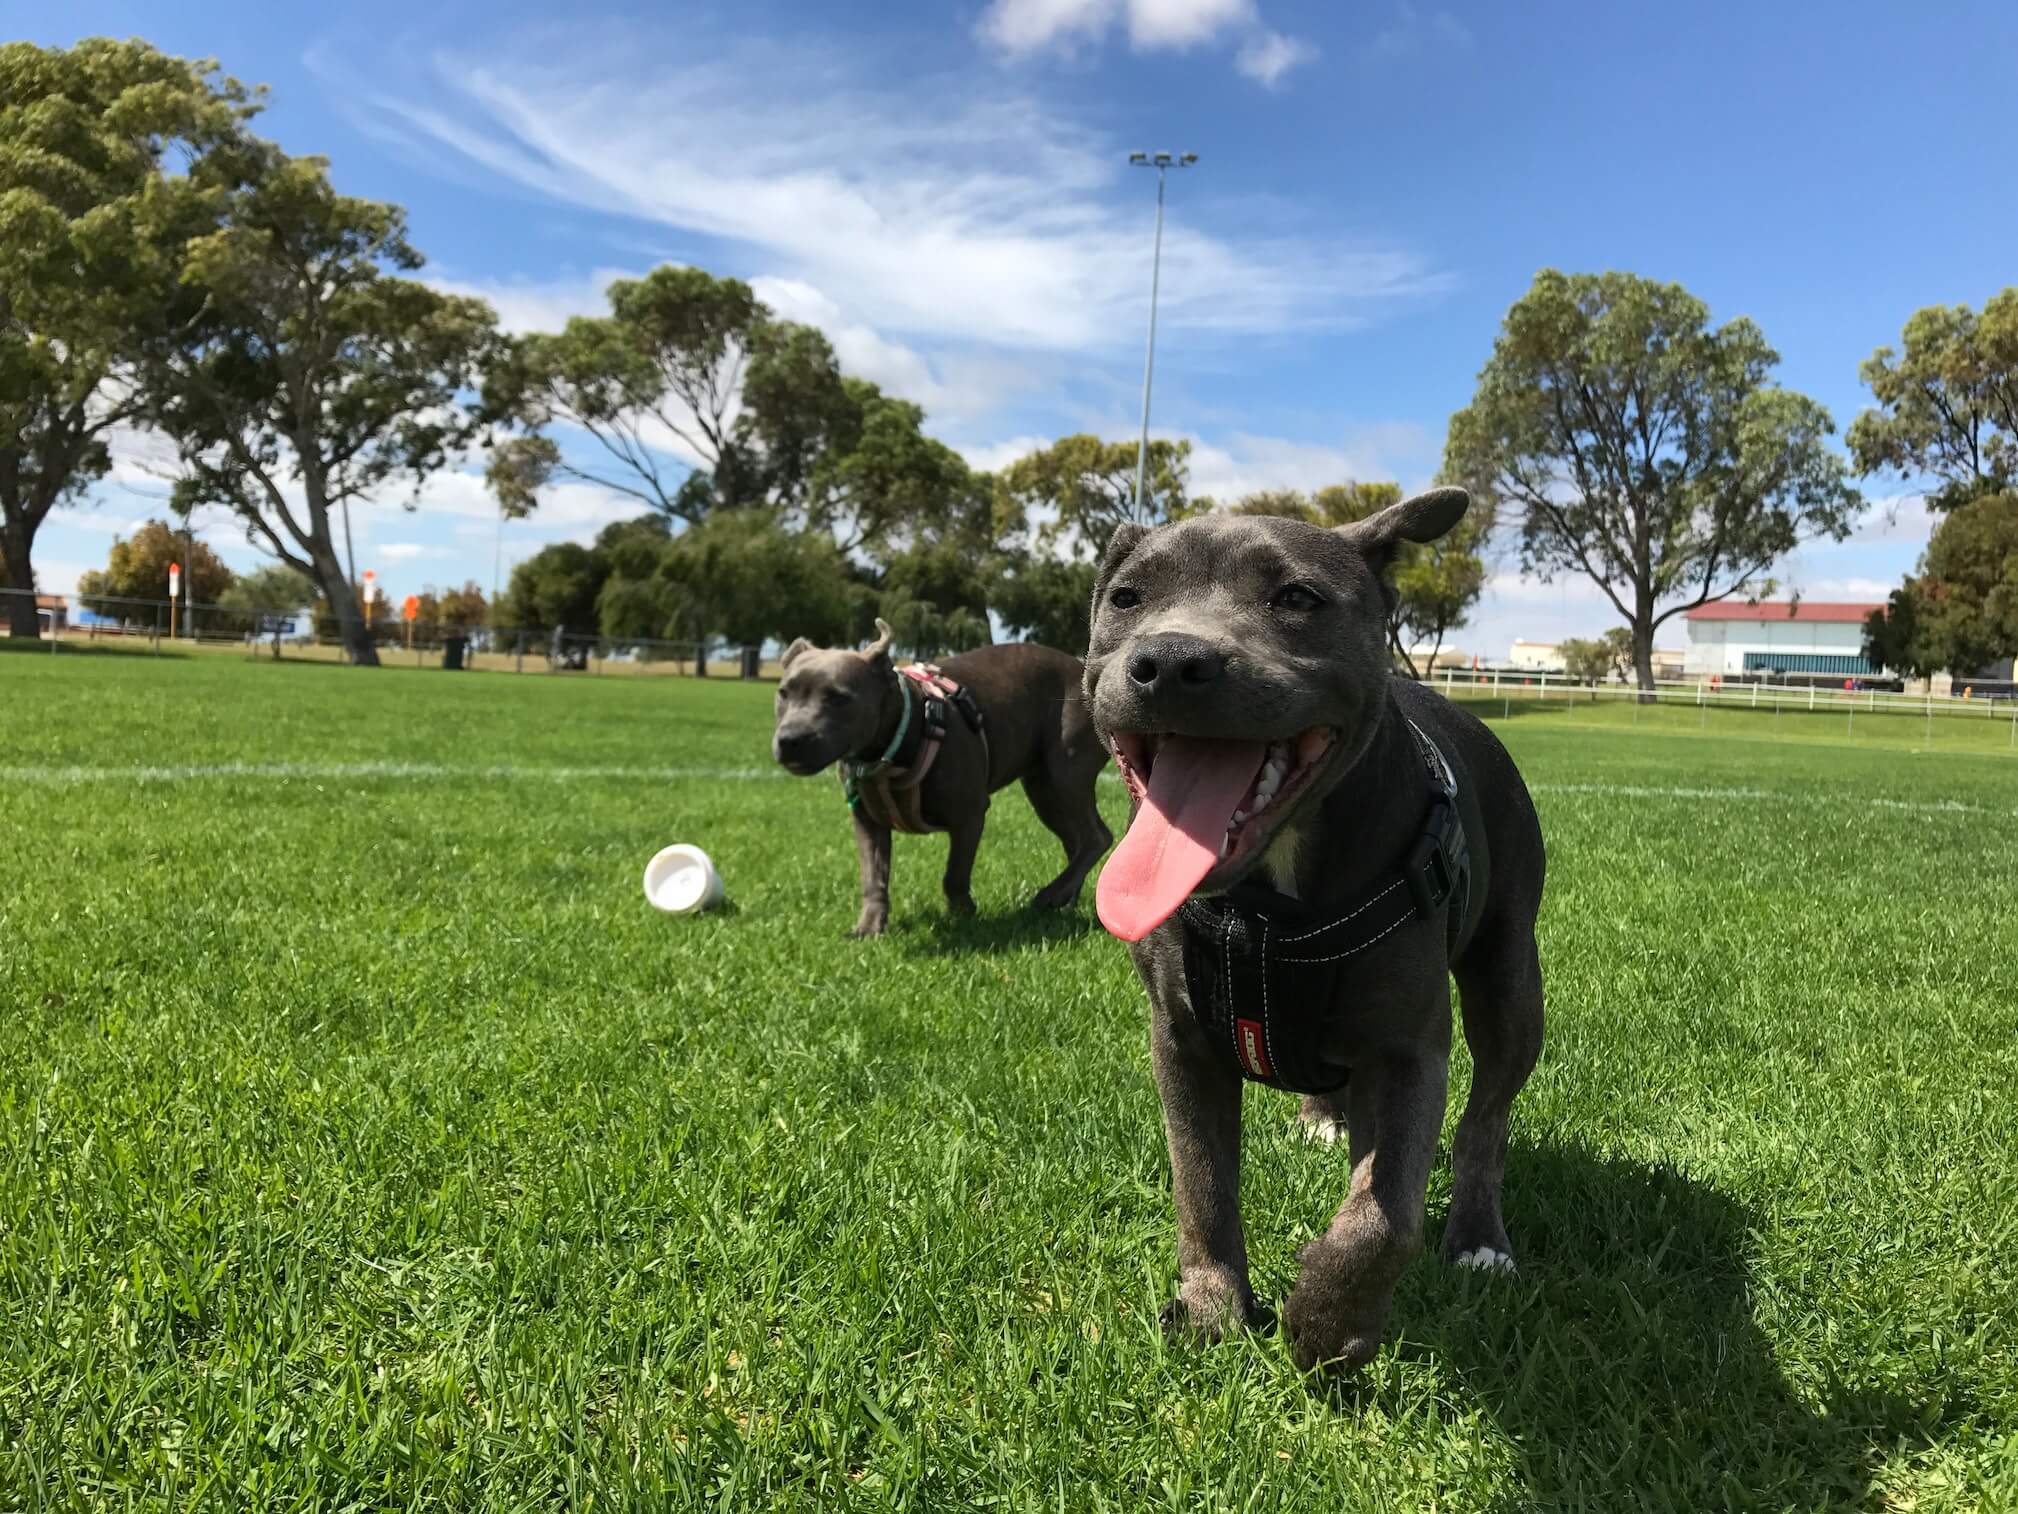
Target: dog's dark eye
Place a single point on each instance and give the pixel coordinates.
(1297, 597)
(837, 696)
(1124, 599)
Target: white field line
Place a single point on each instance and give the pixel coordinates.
(1771, 796)
(340, 772)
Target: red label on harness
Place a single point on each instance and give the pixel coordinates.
(1253, 1056)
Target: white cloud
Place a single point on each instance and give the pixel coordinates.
(1025, 26)
(60, 575)
(411, 551)
(1413, 31)
(1020, 28)
(1896, 518)
(538, 304)
(1184, 23)
(1239, 462)
(938, 212)
(1266, 57)
(1846, 589)
(952, 387)
(1245, 462)
(993, 457)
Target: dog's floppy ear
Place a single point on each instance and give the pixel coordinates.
(879, 649)
(799, 644)
(1419, 518)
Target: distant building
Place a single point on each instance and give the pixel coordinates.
(1535, 657)
(53, 610)
(1778, 636)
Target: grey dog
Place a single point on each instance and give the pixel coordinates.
(849, 707)
(1240, 673)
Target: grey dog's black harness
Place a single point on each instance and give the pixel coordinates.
(1263, 973)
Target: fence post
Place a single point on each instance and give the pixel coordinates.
(1811, 696)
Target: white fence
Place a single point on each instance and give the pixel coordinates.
(1978, 699)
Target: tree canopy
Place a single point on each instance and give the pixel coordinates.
(137, 569)
(317, 376)
(1947, 403)
(1593, 660)
(271, 592)
(94, 219)
(693, 397)
(1641, 447)
(1959, 613)
(1080, 489)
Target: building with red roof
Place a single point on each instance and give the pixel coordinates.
(1778, 636)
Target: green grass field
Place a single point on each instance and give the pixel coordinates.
(367, 1142)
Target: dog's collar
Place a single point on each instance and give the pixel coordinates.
(862, 769)
(1259, 963)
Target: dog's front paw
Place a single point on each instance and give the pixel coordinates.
(1207, 1311)
(1328, 1322)
(873, 923)
(961, 906)
(1486, 1259)
(1056, 896)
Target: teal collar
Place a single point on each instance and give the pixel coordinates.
(854, 769)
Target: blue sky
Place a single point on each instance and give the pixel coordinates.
(943, 188)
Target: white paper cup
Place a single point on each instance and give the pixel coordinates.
(682, 881)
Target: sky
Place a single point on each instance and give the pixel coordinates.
(944, 190)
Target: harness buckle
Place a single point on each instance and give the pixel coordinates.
(1438, 863)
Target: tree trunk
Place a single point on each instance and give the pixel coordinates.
(22, 620)
(701, 658)
(1643, 655)
(343, 603)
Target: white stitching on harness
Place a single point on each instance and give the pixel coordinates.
(1355, 951)
(1267, 1015)
(1226, 977)
(1334, 925)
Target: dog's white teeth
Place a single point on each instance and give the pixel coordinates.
(1262, 799)
(1225, 845)
(1239, 818)
(1271, 780)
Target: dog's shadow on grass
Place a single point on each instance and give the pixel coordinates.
(1625, 1362)
(947, 935)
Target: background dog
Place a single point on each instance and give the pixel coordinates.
(842, 706)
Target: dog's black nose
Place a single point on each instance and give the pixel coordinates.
(1169, 660)
(793, 746)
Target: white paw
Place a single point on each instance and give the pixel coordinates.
(1485, 1259)
(1331, 1132)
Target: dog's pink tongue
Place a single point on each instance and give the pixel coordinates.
(1194, 788)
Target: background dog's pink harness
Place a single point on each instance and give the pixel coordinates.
(892, 796)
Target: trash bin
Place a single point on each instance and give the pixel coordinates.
(452, 649)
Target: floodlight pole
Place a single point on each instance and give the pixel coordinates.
(1162, 162)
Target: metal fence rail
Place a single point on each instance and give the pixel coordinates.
(154, 625)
